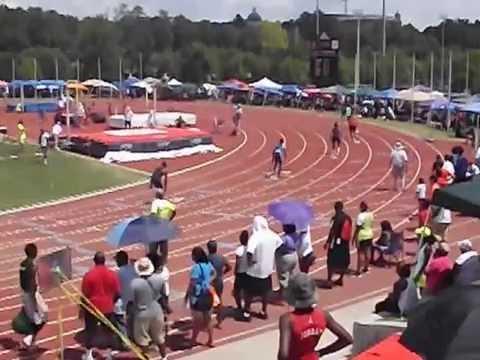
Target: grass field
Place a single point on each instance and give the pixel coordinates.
(414, 129)
(26, 180)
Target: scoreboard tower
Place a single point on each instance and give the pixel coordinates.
(324, 61)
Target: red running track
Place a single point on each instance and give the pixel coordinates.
(220, 199)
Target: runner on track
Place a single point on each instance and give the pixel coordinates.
(159, 178)
(278, 157)
(353, 128)
(336, 138)
(236, 119)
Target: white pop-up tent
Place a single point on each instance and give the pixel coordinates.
(266, 83)
(174, 82)
(413, 95)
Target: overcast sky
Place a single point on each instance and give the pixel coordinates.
(419, 12)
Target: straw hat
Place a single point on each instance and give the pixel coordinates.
(144, 267)
(301, 291)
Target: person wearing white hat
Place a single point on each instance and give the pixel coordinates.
(467, 266)
(399, 165)
(148, 317)
(301, 329)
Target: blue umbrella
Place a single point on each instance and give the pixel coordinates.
(141, 230)
(292, 212)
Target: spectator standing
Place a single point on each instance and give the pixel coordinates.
(363, 238)
(448, 169)
(241, 267)
(128, 117)
(126, 273)
(466, 269)
(222, 267)
(301, 329)
(148, 323)
(101, 287)
(164, 210)
(199, 296)
(399, 165)
(33, 304)
(286, 257)
(306, 255)
(441, 220)
(338, 242)
(439, 269)
(461, 165)
(261, 261)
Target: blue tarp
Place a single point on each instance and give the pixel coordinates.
(444, 105)
(263, 91)
(291, 89)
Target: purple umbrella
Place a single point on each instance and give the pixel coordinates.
(292, 212)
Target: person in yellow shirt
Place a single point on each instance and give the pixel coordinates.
(164, 210)
(363, 238)
(21, 139)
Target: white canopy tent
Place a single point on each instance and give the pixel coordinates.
(143, 85)
(174, 82)
(95, 83)
(266, 83)
(413, 95)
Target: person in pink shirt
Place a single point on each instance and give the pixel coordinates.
(439, 269)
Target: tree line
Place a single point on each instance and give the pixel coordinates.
(198, 51)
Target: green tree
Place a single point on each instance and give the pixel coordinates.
(273, 36)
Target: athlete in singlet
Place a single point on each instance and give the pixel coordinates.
(301, 330)
(278, 157)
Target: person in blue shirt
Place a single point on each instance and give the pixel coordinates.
(278, 157)
(199, 296)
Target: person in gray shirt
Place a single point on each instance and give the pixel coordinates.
(148, 318)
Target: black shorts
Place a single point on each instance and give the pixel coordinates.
(277, 159)
(336, 141)
(240, 282)
(364, 245)
(258, 287)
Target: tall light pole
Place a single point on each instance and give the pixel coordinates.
(357, 62)
(384, 32)
(450, 65)
(394, 75)
(432, 70)
(442, 66)
(317, 19)
(374, 70)
(413, 86)
(467, 73)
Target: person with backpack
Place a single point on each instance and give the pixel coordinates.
(199, 296)
(338, 255)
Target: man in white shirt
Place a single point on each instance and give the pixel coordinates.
(44, 138)
(56, 132)
(261, 262)
(399, 165)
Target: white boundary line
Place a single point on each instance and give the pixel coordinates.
(121, 187)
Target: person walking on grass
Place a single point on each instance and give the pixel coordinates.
(43, 142)
(241, 267)
(302, 328)
(222, 267)
(399, 166)
(279, 156)
(199, 296)
(336, 138)
(363, 238)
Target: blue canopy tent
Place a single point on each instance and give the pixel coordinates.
(444, 105)
(388, 94)
(291, 89)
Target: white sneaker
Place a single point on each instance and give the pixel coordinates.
(88, 356)
(27, 340)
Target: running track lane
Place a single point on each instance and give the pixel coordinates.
(346, 175)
